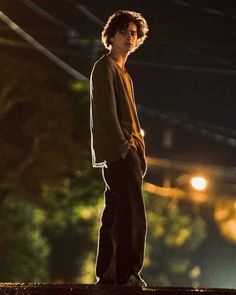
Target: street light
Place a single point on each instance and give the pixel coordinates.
(199, 183)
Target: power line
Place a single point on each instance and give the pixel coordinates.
(15, 43)
(46, 15)
(20, 44)
(186, 166)
(201, 129)
(184, 68)
(209, 10)
(88, 14)
(99, 22)
(11, 42)
(39, 31)
(72, 33)
(224, 62)
(38, 46)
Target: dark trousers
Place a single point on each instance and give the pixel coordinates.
(123, 230)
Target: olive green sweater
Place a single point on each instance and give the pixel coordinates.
(113, 116)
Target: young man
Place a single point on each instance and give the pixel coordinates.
(118, 147)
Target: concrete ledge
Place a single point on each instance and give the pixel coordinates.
(72, 289)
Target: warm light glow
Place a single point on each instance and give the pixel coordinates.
(199, 183)
(226, 218)
(142, 132)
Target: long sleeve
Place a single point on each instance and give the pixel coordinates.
(108, 140)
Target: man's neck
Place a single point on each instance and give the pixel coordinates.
(120, 58)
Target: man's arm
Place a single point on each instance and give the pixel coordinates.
(106, 126)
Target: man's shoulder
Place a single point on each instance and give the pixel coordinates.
(103, 62)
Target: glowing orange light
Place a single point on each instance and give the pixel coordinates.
(199, 183)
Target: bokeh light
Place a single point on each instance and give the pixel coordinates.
(199, 183)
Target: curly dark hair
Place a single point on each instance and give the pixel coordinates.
(120, 21)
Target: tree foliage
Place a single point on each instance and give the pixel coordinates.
(73, 212)
(44, 131)
(24, 249)
(174, 235)
(44, 150)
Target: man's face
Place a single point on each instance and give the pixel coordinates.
(125, 40)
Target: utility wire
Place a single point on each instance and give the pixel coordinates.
(88, 14)
(39, 31)
(99, 22)
(39, 47)
(14, 43)
(216, 170)
(224, 62)
(184, 68)
(198, 124)
(71, 31)
(201, 129)
(59, 50)
(46, 15)
(203, 8)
